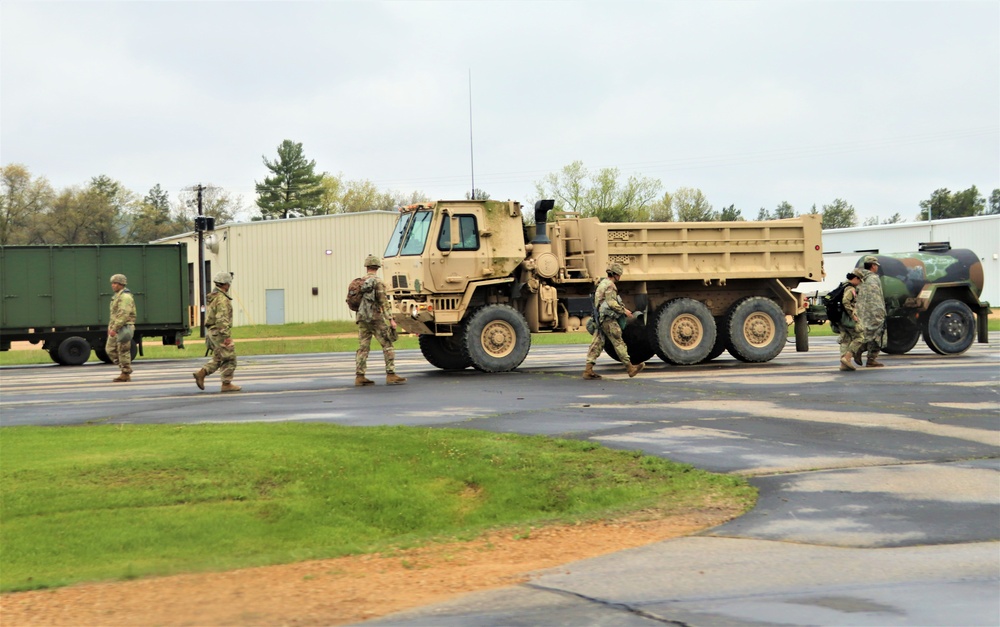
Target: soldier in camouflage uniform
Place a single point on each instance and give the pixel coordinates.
(375, 320)
(121, 328)
(850, 335)
(610, 310)
(871, 313)
(219, 323)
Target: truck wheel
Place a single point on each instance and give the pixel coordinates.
(720, 340)
(636, 338)
(444, 352)
(951, 328)
(102, 354)
(134, 348)
(54, 354)
(903, 335)
(497, 339)
(757, 329)
(684, 331)
(74, 351)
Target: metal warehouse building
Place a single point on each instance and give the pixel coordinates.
(294, 270)
(843, 247)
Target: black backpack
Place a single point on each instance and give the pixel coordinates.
(834, 303)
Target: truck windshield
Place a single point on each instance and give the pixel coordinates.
(410, 234)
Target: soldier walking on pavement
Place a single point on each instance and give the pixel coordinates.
(375, 320)
(121, 328)
(850, 334)
(219, 323)
(610, 310)
(871, 313)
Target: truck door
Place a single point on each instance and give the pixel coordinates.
(458, 251)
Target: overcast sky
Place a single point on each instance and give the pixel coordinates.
(754, 103)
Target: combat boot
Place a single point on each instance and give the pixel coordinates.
(199, 378)
(634, 369)
(845, 361)
(361, 381)
(857, 358)
(874, 363)
(229, 387)
(588, 373)
(122, 378)
(394, 379)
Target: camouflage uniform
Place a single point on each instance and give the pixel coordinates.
(219, 322)
(871, 314)
(122, 322)
(609, 310)
(373, 321)
(850, 334)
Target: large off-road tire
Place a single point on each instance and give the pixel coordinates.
(497, 339)
(757, 329)
(444, 352)
(54, 354)
(74, 351)
(636, 338)
(720, 339)
(951, 328)
(903, 334)
(683, 331)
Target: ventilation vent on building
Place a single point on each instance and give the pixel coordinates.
(934, 247)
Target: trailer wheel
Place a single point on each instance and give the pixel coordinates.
(951, 328)
(757, 329)
(444, 352)
(497, 339)
(134, 348)
(684, 331)
(54, 354)
(74, 351)
(102, 354)
(903, 334)
(636, 338)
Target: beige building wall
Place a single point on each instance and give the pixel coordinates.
(294, 270)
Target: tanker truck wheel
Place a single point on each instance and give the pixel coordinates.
(444, 352)
(497, 339)
(683, 331)
(74, 351)
(903, 335)
(757, 329)
(951, 328)
(636, 338)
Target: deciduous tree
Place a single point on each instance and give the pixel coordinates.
(691, 206)
(944, 204)
(23, 200)
(838, 214)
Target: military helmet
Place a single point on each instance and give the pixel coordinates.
(222, 278)
(120, 279)
(371, 261)
(616, 268)
(856, 273)
(870, 259)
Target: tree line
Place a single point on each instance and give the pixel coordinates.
(104, 211)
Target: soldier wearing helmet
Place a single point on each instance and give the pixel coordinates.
(871, 312)
(218, 326)
(375, 320)
(850, 334)
(121, 328)
(609, 318)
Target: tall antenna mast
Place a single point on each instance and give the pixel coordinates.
(472, 156)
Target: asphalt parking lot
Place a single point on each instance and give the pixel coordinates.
(879, 489)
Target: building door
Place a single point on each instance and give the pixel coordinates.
(275, 300)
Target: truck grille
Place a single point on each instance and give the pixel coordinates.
(448, 303)
(399, 281)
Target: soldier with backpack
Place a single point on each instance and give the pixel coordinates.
(850, 334)
(374, 320)
(871, 312)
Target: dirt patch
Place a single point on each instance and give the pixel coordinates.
(344, 590)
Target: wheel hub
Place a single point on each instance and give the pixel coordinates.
(759, 329)
(952, 327)
(686, 331)
(498, 338)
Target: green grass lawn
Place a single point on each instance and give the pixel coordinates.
(117, 502)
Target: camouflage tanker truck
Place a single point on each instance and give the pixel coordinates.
(934, 294)
(473, 283)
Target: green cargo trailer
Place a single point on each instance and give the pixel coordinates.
(59, 296)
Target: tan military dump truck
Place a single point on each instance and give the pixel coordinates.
(474, 283)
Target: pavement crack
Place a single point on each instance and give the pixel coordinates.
(615, 606)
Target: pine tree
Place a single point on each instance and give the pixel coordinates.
(293, 186)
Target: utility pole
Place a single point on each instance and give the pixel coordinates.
(199, 223)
